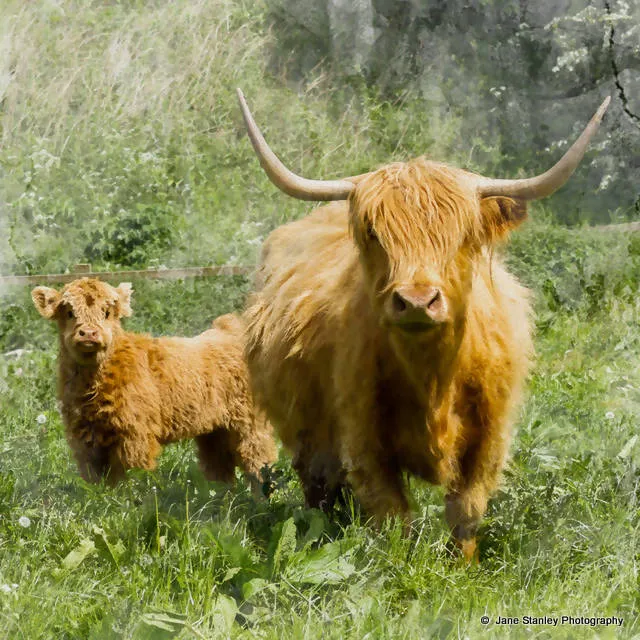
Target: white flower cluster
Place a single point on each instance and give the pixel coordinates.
(8, 588)
(571, 59)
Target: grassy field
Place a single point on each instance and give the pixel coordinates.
(122, 145)
(168, 555)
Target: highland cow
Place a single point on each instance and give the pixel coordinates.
(125, 395)
(386, 337)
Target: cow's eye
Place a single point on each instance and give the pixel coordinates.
(69, 314)
(107, 313)
(371, 233)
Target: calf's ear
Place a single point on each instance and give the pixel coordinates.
(46, 301)
(500, 215)
(124, 290)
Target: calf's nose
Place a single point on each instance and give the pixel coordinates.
(88, 334)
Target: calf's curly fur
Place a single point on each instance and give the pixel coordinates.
(125, 395)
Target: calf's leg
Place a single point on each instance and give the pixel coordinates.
(97, 462)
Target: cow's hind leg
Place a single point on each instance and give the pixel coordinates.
(216, 453)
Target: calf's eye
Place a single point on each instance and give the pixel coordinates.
(107, 313)
(69, 314)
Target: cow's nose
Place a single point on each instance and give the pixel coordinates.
(418, 305)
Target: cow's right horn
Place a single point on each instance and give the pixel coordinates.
(287, 181)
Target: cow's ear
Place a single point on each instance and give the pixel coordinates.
(46, 301)
(124, 290)
(500, 215)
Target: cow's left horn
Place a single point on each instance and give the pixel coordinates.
(546, 183)
(286, 180)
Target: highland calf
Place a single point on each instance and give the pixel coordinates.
(124, 395)
(385, 336)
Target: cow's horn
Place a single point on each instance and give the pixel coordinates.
(286, 180)
(546, 183)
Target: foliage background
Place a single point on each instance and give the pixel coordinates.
(122, 142)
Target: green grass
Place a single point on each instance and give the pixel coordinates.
(561, 537)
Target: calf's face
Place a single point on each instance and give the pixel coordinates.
(88, 313)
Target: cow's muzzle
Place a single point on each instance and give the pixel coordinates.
(417, 309)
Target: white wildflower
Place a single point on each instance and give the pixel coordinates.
(24, 522)
(609, 415)
(607, 179)
(41, 419)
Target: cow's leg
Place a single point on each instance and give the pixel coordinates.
(373, 474)
(115, 471)
(320, 472)
(216, 453)
(464, 512)
(378, 486)
(372, 469)
(97, 463)
(487, 432)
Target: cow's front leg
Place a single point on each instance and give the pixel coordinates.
(372, 471)
(93, 461)
(378, 486)
(365, 449)
(464, 512)
(479, 467)
(320, 471)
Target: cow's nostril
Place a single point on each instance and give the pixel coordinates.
(434, 300)
(399, 305)
(81, 332)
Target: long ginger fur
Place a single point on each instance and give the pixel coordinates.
(357, 399)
